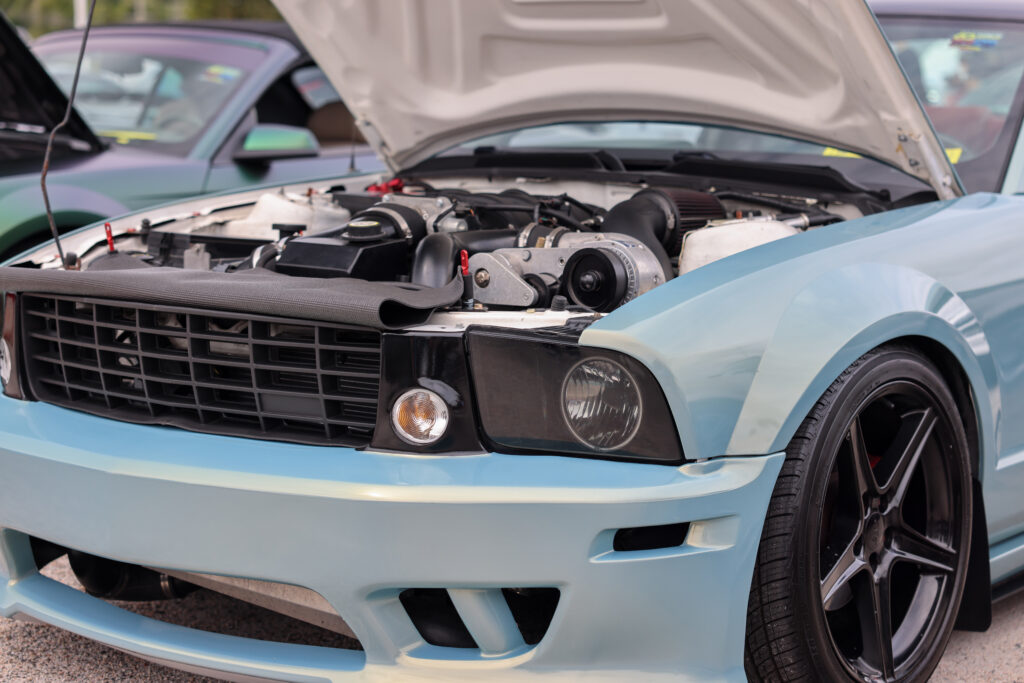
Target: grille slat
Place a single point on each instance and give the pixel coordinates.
(209, 371)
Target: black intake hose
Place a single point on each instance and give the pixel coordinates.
(112, 580)
(436, 255)
(643, 218)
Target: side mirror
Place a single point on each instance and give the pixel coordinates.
(267, 142)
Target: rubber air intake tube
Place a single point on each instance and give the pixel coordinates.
(659, 217)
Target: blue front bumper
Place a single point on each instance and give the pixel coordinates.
(359, 527)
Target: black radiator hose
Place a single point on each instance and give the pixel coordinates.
(643, 218)
(436, 255)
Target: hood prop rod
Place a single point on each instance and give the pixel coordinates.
(53, 134)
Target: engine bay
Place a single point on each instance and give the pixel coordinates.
(586, 248)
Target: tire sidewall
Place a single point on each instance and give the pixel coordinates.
(883, 368)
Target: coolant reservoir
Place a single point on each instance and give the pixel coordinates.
(725, 238)
(314, 213)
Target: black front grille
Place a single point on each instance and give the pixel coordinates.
(208, 371)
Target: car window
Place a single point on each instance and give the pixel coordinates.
(314, 87)
(154, 92)
(968, 76)
(306, 98)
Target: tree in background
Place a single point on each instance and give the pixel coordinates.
(41, 16)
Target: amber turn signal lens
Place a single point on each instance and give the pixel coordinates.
(419, 417)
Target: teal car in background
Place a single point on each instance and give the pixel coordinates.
(164, 112)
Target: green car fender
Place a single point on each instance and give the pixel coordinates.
(23, 216)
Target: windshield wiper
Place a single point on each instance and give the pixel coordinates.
(811, 176)
(24, 128)
(547, 158)
(681, 155)
(23, 131)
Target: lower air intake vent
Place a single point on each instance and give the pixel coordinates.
(438, 621)
(207, 371)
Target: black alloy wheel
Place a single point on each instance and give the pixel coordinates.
(864, 551)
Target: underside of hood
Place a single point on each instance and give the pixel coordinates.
(30, 102)
(423, 75)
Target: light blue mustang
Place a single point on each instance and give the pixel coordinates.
(701, 400)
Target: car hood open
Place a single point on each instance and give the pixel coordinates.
(30, 102)
(422, 75)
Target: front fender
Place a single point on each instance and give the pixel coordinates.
(744, 347)
(835, 320)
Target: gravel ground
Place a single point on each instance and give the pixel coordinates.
(37, 652)
(995, 655)
(33, 652)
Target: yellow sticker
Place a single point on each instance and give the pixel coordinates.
(954, 153)
(123, 137)
(974, 41)
(836, 152)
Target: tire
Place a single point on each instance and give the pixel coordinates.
(839, 550)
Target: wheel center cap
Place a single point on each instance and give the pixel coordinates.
(874, 535)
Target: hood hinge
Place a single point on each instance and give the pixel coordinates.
(374, 140)
(921, 162)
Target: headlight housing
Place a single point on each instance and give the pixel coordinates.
(543, 393)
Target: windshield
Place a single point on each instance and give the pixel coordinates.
(655, 141)
(645, 135)
(968, 75)
(152, 91)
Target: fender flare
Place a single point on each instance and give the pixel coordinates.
(899, 302)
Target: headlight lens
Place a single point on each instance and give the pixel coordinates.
(420, 416)
(601, 404)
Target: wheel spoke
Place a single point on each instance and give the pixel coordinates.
(864, 477)
(874, 607)
(912, 546)
(914, 433)
(837, 581)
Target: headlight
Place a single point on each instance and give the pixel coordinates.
(601, 404)
(540, 392)
(420, 416)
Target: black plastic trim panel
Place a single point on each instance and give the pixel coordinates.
(217, 372)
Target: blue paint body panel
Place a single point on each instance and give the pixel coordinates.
(359, 527)
(745, 346)
(742, 348)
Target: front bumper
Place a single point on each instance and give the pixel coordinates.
(359, 527)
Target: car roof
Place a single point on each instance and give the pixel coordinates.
(253, 28)
(1012, 10)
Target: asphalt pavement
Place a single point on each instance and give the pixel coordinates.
(35, 652)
